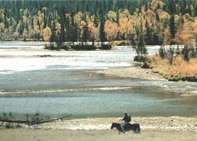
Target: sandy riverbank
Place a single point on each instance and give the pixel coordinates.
(98, 129)
(173, 123)
(146, 123)
(131, 72)
(102, 135)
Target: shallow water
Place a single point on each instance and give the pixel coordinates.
(66, 86)
(21, 44)
(76, 94)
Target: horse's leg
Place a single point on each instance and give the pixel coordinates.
(138, 130)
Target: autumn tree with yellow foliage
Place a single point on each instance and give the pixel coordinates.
(163, 22)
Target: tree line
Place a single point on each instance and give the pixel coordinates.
(135, 21)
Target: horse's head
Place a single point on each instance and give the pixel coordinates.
(117, 126)
(113, 125)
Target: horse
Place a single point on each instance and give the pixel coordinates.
(133, 127)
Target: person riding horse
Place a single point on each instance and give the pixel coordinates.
(126, 119)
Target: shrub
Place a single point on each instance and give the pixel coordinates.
(105, 47)
(8, 125)
(83, 47)
(185, 53)
(140, 58)
(52, 46)
(161, 52)
(193, 52)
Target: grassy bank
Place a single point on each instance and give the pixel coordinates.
(178, 70)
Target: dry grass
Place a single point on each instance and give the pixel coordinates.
(179, 68)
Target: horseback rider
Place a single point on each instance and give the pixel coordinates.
(126, 119)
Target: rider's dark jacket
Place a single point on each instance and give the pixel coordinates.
(126, 118)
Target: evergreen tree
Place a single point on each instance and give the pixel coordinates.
(172, 25)
(62, 22)
(102, 27)
(140, 47)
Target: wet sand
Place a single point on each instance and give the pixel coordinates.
(101, 135)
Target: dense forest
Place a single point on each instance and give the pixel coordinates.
(148, 21)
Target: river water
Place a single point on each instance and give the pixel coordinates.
(66, 85)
